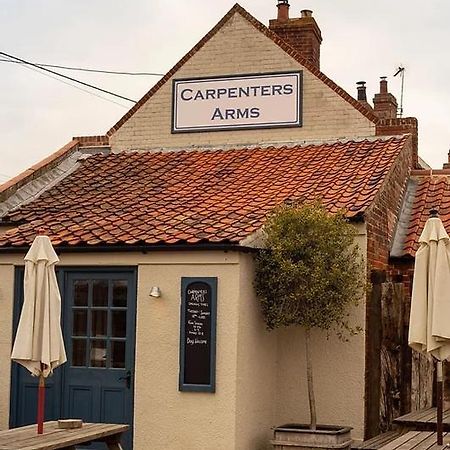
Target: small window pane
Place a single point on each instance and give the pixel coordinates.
(99, 323)
(79, 322)
(120, 289)
(100, 293)
(98, 353)
(78, 352)
(119, 324)
(118, 354)
(80, 293)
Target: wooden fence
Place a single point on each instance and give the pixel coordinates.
(398, 380)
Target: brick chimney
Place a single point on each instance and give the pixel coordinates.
(301, 33)
(385, 104)
(362, 95)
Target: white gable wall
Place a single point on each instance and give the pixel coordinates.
(239, 48)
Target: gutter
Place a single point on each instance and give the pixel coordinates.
(138, 248)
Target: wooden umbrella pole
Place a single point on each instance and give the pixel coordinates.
(41, 403)
(439, 402)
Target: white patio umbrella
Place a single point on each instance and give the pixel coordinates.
(429, 325)
(39, 345)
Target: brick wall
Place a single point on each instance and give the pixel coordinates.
(381, 217)
(239, 48)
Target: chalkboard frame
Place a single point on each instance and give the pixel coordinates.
(211, 387)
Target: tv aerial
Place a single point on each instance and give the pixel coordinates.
(401, 72)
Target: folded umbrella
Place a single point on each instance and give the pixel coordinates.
(39, 345)
(429, 326)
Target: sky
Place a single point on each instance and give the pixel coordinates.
(362, 40)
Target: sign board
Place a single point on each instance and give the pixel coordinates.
(198, 334)
(237, 102)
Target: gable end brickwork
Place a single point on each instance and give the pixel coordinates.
(381, 217)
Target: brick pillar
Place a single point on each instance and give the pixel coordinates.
(301, 33)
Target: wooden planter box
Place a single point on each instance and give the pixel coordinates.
(291, 436)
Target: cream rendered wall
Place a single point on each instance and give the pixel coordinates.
(260, 375)
(239, 48)
(6, 305)
(256, 368)
(339, 373)
(164, 417)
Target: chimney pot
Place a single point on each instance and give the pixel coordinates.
(283, 10)
(383, 85)
(306, 13)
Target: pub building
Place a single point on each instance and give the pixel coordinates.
(156, 224)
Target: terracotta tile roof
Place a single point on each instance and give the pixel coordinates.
(432, 190)
(367, 112)
(189, 197)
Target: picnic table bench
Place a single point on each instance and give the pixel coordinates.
(424, 420)
(417, 440)
(26, 438)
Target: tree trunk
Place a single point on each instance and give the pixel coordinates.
(309, 372)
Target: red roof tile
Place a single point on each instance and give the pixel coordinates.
(432, 191)
(200, 196)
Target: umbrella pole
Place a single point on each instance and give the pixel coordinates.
(439, 402)
(41, 402)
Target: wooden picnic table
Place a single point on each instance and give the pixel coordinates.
(417, 440)
(26, 438)
(424, 420)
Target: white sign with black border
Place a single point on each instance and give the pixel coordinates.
(237, 102)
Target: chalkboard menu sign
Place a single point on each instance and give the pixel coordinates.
(198, 334)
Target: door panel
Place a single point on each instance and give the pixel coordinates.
(99, 334)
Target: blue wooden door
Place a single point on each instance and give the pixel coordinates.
(99, 333)
(96, 383)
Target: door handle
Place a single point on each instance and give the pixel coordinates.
(127, 379)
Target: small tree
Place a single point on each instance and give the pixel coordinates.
(308, 273)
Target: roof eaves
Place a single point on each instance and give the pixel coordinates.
(271, 35)
(144, 248)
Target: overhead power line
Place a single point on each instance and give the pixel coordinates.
(27, 63)
(75, 86)
(84, 69)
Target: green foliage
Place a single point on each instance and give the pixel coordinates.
(310, 270)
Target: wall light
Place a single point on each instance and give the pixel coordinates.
(155, 292)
